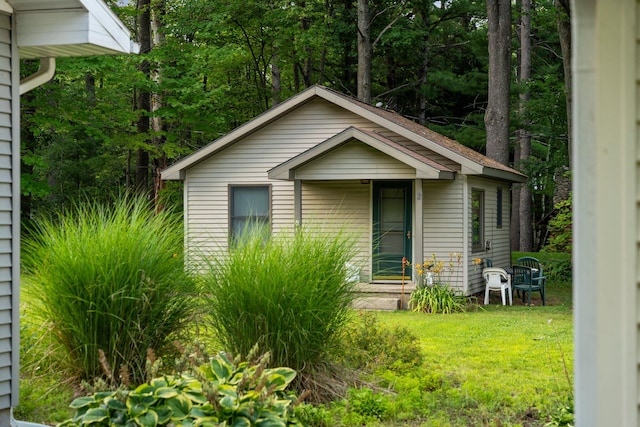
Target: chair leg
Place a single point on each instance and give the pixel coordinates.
(510, 296)
(486, 295)
(504, 301)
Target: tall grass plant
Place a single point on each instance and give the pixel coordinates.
(288, 294)
(110, 279)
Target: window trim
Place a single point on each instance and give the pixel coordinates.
(230, 196)
(479, 246)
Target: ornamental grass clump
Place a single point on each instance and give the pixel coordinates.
(110, 279)
(288, 294)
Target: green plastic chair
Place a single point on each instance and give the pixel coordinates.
(533, 263)
(523, 280)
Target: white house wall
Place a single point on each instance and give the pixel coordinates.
(341, 206)
(606, 206)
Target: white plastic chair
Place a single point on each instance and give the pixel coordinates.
(497, 279)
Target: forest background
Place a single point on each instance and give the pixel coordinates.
(106, 125)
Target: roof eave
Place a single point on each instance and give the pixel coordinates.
(286, 170)
(504, 175)
(70, 28)
(237, 133)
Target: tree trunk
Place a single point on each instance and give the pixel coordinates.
(365, 52)
(159, 163)
(144, 96)
(524, 137)
(564, 32)
(496, 117)
(276, 82)
(424, 68)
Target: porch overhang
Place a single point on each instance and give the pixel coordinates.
(62, 28)
(425, 168)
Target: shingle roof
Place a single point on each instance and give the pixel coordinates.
(470, 160)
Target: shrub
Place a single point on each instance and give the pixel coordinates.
(437, 299)
(369, 345)
(367, 403)
(557, 266)
(433, 293)
(287, 294)
(110, 279)
(560, 228)
(221, 392)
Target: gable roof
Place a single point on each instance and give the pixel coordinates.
(471, 161)
(425, 167)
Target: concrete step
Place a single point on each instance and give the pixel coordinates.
(377, 303)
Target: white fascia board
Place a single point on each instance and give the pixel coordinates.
(175, 171)
(89, 28)
(286, 170)
(5, 7)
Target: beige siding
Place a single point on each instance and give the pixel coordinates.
(497, 236)
(355, 160)
(206, 184)
(442, 229)
(341, 206)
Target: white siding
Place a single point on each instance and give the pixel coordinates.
(342, 206)
(355, 160)
(442, 229)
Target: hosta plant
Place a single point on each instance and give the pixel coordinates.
(223, 392)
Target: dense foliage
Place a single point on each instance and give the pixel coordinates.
(215, 65)
(109, 280)
(223, 392)
(289, 295)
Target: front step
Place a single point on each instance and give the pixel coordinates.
(377, 303)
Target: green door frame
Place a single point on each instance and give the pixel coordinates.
(392, 227)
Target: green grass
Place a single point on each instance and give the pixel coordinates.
(495, 366)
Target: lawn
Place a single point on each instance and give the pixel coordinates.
(491, 366)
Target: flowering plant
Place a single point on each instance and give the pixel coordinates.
(433, 293)
(433, 271)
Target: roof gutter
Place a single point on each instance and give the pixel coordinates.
(45, 73)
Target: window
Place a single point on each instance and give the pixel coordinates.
(477, 220)
(499, 208)
(249, 208)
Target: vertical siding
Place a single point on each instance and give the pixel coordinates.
(8, 331)
(206, 184)
(341, 206)
(443, 220)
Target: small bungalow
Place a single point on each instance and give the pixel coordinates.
(322, 156)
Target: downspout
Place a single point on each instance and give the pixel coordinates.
(45, 73)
